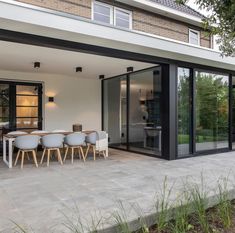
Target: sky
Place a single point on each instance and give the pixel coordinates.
(194, 6)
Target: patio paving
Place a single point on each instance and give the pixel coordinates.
(39, 198)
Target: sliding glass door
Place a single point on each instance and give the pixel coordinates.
(132, 111)
(145, 111)
(115, 111)
(184, 112)
(203, 111)
(212, 110)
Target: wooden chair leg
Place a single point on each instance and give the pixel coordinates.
(22, 160)
(94, 152)
(59, 156)
(104, 154)
(27, 154)
(72, 154)
(83, 157)
(35, 158)
(79, 152)
(48, 156)
(66, 152)
(87, 150)
(17, 157)
(43, 154)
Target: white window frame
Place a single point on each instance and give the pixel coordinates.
(198, 35)
(105, 5)
(126, 11)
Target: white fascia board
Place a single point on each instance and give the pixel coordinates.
(22, 19)
(165, 11)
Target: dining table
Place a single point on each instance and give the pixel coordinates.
(8, 142)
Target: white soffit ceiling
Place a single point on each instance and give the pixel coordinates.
(21, 57)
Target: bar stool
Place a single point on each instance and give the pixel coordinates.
(52, 142)
(74, 141)
(26, 144)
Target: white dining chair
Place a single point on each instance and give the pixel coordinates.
(26, 144)
(17, 133)
(93, 141)
(52, 142)
(74, 141)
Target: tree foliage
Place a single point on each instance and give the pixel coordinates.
(211, 106)
(221, 22)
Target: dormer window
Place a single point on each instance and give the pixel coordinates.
(194, 37)
(105, 13)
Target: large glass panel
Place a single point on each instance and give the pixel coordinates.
(27, 101)
(27, 123)
(144, 111)
(4, 107)
(115, 111)
(27, 111)
(26, 90)
(233, 112)
(212, 95)
(27, 106)
(184, 112)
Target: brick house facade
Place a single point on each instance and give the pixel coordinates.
(142, 20)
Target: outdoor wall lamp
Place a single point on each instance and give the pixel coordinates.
(51, 99)
(37, 65)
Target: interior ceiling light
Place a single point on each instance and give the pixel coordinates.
(37, 65)
(78, 69)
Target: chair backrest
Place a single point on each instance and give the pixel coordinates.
(75, 139)
(53, 141)
(94, 136)
(58, 131)
(39, 131)
(27, 142)
(17, 133)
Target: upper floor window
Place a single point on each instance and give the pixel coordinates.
(194, 37)
(105, 13)
(122, 18)
(102, 12)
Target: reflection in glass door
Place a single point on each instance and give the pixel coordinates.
(203, 113)
(184, 112)
(145, 111)
(212, 110)
(115, 111)
(4, 107)
(233, 112)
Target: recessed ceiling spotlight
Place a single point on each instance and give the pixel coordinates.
(78, 69)
(37, 65)
(101, 76)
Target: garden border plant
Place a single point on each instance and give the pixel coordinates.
(188, 212)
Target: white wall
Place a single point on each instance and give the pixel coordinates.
(77, 100)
